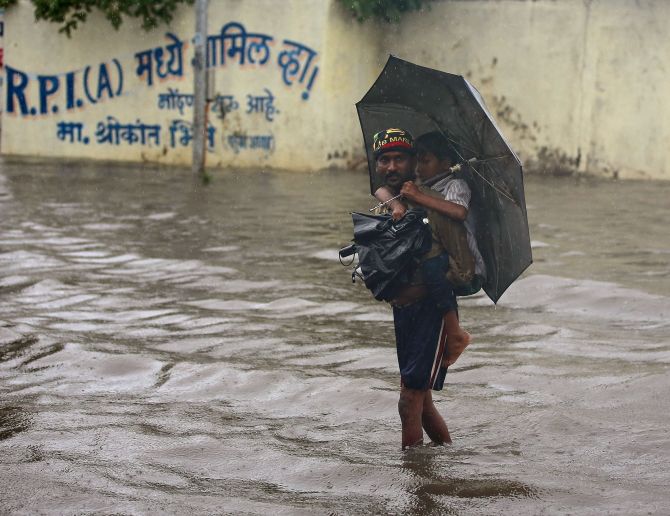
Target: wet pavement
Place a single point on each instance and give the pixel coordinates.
(169, 348)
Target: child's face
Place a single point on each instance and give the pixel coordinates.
(428, 165)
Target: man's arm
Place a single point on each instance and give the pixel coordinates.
(397, 208)
(451, 209)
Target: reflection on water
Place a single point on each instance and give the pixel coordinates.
(434, 491)
(477, 488)
(168, 348)
(12, 421)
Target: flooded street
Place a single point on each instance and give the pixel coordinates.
(169, 348)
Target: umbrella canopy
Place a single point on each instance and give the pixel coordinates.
(422, 100)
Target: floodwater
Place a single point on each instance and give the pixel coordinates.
(169, 348)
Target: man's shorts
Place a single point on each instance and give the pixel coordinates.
(421, 342)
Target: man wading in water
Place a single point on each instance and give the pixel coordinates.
(424, 313)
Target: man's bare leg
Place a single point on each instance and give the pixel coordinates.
(433, 423)
(410, 407)
(457, 338)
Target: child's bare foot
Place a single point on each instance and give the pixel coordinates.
(456, 344)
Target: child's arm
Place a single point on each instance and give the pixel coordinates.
(397, 208)
(450, 209)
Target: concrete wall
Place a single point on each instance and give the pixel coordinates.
(574, 84)
(285, 97)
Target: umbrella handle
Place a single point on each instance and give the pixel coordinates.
(381, 204)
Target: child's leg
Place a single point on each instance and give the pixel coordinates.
(442, 294)
(457, 338)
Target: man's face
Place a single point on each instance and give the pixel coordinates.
(395, 167)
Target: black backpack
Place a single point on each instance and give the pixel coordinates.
(388, 251)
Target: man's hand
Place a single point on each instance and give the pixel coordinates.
(395, 206)
(398, 209)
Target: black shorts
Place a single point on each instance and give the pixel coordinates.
(421, 343)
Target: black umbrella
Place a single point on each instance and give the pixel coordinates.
(422, 100)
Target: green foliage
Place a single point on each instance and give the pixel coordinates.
(387, 10)
(70, 13)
